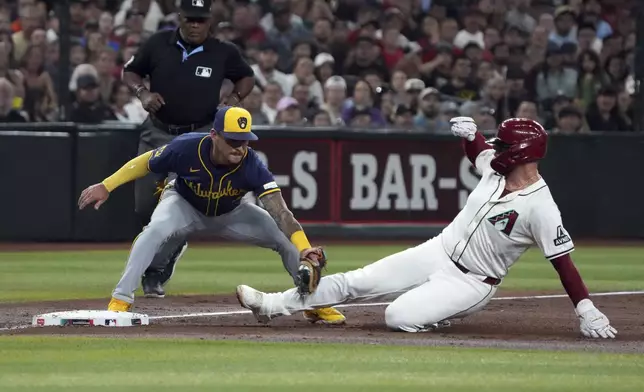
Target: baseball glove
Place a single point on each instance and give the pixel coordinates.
(312, 261)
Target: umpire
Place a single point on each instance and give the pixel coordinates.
(186, 69)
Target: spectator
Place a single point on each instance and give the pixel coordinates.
(246, 23)
(265, 70)
(303, 74)
(569, 121)
(323, 34)
(288, 112)
(553, 78)
(273, 93)
(429, 105)
(403, 117)
(285, 33)
(494, 97)
(397, 82)
(335, 96)
(13, 76)
(82, 69)
(474, 53)
(613, 45)
(253, 103)
(564, 26)
(105, 62)
(320, 118)
(149, 10)
(123, 107)
(460, 85)
(501, 56)
(324, 64)
(616, 71)
(485, 72)
(472, 30)
(88, 107)
(449, 109)
(366, 56)
(40, 101)
(449, 31)
(302, 94)
(528, 109)
(413, 87)
(625, 104)
(587, 38)
(362, 103)
(591, 78)
(518, 15)
(268, 21)
(106, 29)
(604, 114)
(590, 14)
(29, 22)
(7, 113)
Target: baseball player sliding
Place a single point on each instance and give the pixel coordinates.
(457, 273)
(214, 171)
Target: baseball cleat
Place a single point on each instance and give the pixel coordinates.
(325, 316)
(152, 287)
(168, 271)
(252, 299)
(116, 305)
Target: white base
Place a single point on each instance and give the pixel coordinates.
(92, 318)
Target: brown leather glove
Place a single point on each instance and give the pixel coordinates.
(312, 261)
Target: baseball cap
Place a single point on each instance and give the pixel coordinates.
(335, 81)
(428, 91)
(414, 84)
(195, 8)
(234, 123)
(87, 81)
(323, 58)
(285, 103)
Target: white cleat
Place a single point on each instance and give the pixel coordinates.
(252, 299)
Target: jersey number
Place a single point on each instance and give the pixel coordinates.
(504, 221)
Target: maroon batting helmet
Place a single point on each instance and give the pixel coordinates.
(518, 140)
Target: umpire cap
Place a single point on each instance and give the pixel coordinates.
(234, 123)
(195, 8)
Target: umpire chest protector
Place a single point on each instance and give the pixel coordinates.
(189, 78)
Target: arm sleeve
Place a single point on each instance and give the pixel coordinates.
(570, 278)
(140, 63)
(547, 230)
(236, 67)
(135, 168)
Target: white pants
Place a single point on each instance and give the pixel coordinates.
(424, 284)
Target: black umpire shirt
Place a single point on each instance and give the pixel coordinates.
(188, 77)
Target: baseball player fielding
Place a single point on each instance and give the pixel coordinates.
(214, 171)
(458, 272)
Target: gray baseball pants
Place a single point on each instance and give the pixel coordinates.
(174, 219)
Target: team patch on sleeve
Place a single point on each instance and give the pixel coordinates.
(562, 236)
(270, 185)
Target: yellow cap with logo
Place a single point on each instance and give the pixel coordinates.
(234, 123)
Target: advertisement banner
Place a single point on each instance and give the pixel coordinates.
(403, 181)
(303, 169)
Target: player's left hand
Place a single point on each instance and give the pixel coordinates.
(312, 261)
(96, 193)
(592, 322)
(464, 127)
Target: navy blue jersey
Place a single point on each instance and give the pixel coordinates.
(211, 189)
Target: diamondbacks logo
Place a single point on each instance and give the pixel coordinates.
(504, 221)
(242, 122)
(562, 236)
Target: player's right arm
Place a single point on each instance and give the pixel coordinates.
(476, 148)
(160, 160)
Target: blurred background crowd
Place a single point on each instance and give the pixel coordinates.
(409, 64)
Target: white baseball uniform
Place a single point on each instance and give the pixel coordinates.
(488, 235)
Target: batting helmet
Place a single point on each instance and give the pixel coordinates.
(518, 140)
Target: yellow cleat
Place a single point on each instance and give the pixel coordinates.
(325, 315)
(116, 305)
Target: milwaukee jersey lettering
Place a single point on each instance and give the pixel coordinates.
(211, 189)
(491, 232)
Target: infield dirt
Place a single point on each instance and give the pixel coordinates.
(525, 323)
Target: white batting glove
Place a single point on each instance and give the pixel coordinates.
(592, 322)
(464, 127)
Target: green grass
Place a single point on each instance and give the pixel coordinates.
(93, 364)
(93, 274)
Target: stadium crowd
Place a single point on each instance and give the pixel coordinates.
(409, 64)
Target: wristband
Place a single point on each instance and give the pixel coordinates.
(300, 241)
(138, 90)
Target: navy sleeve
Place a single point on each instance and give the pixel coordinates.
(140, 63)
(260, 179)
(163, 159)
(236, 67)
